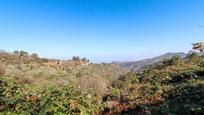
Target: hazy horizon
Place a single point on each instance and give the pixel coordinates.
(102, 30)
(102, 59)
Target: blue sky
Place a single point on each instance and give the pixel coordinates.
(102, 30)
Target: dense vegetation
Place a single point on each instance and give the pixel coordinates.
(33, 85)
(30, 85)
(20, 99)
(173, 86)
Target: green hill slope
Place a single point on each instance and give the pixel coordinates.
(31, 85)
(173, 86)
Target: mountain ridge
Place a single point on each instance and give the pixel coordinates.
(136, 65)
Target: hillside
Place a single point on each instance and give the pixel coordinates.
(42, 72)
(174, 86)
(136, 65)
(30, 85)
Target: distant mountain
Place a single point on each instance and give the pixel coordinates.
(2, 51)
(136, 65)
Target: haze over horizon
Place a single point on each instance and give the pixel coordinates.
(101, 30)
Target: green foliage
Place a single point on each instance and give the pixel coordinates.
(16, 99)
(16, 52)
(66, 100)
(126, 80)
(13, 100)
(34, 55)
(32, 86)
(76, 58)
(85, 59)
(23, 53)
(175, 60)
(173, 86)
(185, 99)
(115, 92)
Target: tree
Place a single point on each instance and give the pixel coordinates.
(23, 53)
(16, 52)
(175, 60)
(83, 59)
(34, 55)
(76, 58)
(198, 46)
